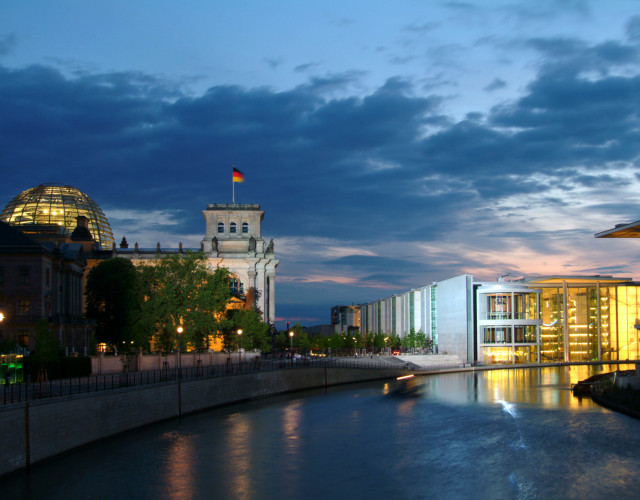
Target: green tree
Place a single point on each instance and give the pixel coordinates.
(282, 341)
(379, 340)
(421, 339)
(113, 301)
(180, 290)
(335, 343)
(46, 351)
(255, 332)
(319, 342)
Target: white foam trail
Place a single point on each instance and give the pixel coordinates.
(508, 407)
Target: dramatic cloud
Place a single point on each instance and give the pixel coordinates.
(367, 190)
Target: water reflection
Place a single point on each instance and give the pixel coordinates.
(237, 449)
(484, 434)
(180, 465)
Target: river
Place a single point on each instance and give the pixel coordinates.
(486, 434)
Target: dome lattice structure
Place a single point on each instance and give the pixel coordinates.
(60, 205)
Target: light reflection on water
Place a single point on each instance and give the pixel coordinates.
(486, 434)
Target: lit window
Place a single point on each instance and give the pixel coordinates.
(23, 338)
(235, 286)
(221, 227)
(24, 307)
(232, 227)
(245, 227)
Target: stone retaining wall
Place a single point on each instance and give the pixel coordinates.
(37, 430)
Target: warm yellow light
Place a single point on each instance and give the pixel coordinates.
(239, 332)
(180, 330)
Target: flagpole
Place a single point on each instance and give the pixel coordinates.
(233, 186)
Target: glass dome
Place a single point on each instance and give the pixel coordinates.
(60, 205)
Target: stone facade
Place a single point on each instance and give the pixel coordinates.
(233, 239)
(41, 281)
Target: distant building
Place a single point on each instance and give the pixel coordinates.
(345, 318)
(41, 281)
(537, 320)
(324, 330)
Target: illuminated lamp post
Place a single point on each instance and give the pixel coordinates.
(180, 330)
(291, 333)
(239, 346)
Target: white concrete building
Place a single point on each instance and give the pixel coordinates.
(537, 320)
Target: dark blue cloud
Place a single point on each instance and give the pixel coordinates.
(389, 166)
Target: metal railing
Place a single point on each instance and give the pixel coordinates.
(32, 391)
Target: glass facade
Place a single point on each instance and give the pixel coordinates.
(59, 205)
(589, 321)
(624, 334)
(552, 329)
(508, 323)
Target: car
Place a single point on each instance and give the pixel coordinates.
(396, 353)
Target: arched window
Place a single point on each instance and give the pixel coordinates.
(232, 227)
(245, 227)
(221, 227)
(235, 286)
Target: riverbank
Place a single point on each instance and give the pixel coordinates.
(36, 430)
(618, 391)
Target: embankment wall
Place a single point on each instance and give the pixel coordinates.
(38, 430)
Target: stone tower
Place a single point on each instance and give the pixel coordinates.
(233, 239)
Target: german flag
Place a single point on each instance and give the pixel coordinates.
(237, 175)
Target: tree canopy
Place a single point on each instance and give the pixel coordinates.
(113, 300)
(181, 291)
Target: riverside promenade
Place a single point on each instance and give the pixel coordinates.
(39, 421)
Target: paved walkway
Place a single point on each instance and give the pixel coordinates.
(416, 361)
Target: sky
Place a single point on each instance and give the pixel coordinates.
(390, 144)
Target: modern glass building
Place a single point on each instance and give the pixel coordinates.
(36, 209)
(537, 320)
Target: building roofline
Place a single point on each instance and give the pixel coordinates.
(630, 230)
(233, 206)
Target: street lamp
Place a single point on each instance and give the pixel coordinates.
(291, 333)
(239, 346)
(180, 330)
